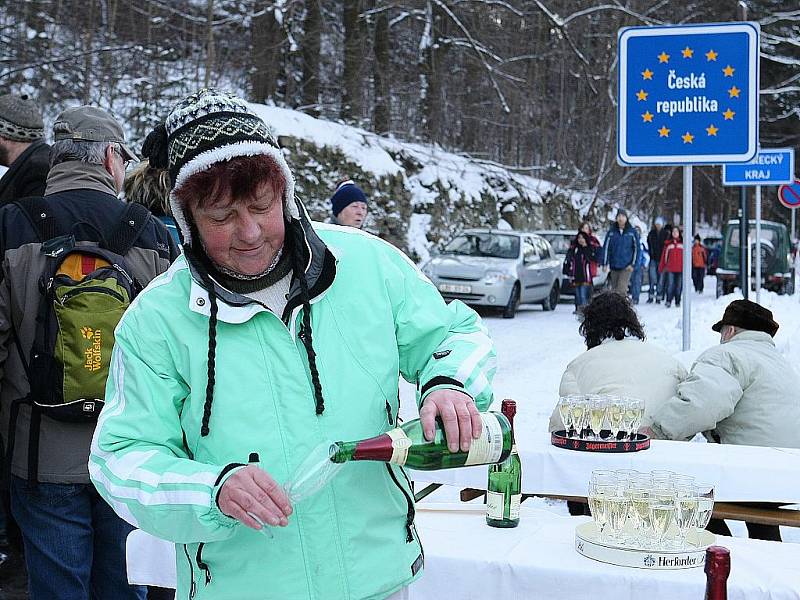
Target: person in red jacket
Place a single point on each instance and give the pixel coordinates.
(672, 264)
(699, 264)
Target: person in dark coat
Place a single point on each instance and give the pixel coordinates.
(22, 149)
(579, 265)
(655, 246)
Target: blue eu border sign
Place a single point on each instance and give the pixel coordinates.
(771, 166)
(688, 94)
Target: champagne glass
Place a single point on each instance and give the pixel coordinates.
(686, 504)
(662, 515)
(565, 411)
(617, 509)
(705, 505)
(662, 479)
(634, 413)
(639, 514)
(597, 507)
(678, 480)
(579, 412)
(616, 416)
(597, 415)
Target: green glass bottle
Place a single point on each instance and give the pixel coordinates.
(406, 445)
(504, 492)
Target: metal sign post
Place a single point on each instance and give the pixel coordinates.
(688, 94)
(771, 166)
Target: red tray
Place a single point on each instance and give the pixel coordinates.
(560, 439)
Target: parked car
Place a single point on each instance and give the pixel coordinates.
(776, 259)
(501, 268)
(560, 240)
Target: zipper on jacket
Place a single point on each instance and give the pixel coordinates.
(192, 587)
(389, 412)
(411, 512)
(201, 565)
(95, 288)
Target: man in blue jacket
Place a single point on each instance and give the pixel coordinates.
(620, 252)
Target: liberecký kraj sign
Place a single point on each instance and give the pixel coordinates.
(688, 94)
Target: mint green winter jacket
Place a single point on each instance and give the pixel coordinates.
(374, 315)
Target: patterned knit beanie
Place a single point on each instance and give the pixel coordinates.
(20, 119)
(208, 127)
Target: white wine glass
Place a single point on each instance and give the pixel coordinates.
(579, 412)
(634, 409)
(662, 515)
(616, 416)
(686, 503)
(705, 505)
(565, 412)
(597, 415)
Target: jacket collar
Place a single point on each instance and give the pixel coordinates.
(753, 336)
(18, 163)
(79, 175)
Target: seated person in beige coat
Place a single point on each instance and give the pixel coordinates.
(740, 392)
(618, 360)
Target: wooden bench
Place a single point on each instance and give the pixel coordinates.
(734, 511)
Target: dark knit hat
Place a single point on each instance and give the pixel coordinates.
(209, 127)
(748, 315)
(623, 212)
(20, 118)
(347, 193)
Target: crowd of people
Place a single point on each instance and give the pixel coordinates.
(626, 257)
(176, 337)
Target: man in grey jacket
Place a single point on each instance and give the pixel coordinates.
(74, 543)
(740, 392)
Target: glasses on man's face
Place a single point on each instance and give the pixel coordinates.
(125, 161)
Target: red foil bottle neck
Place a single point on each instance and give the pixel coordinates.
(377, 448)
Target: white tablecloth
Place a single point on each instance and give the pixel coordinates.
(739, 473)
(467, 560)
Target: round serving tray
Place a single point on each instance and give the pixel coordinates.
(587, 543)
(560, 439)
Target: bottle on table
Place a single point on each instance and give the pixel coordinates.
(406, 446)
(504, 491)
(718, 567)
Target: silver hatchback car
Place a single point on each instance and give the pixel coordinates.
(489, 267)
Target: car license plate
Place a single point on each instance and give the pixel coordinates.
(455, 289)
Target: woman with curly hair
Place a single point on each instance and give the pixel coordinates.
(618, 361)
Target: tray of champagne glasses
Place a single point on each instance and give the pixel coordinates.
(651, 520)
(595, 423)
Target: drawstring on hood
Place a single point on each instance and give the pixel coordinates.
(202, 130)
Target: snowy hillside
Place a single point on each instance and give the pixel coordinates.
(419, 193)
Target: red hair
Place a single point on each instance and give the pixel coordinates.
(232, 181)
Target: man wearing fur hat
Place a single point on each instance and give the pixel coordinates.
(269, 336)
(740, 392)
(22, 149)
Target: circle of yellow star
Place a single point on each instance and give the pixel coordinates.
(728, 114)
(687, 52)
(728, 71)
(641, 95)
(663, 57)
(647, 117)
(647, 74)
(711, 55)
(663, 132)
(711, 130)
(687, 138)
(734, 92)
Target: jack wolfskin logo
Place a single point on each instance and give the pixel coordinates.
(441, 354)
(93, 356)
(88, 407)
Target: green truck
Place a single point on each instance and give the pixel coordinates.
(777, 268)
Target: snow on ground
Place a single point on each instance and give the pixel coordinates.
(534, 349)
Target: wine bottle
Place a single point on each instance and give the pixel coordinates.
(406, 445)
(718, 567)
(504, 491)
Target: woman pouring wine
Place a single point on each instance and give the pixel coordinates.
(269, 336)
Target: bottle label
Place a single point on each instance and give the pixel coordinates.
(488, 448)
(514, 510)
(494, 505)
(400, 445)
